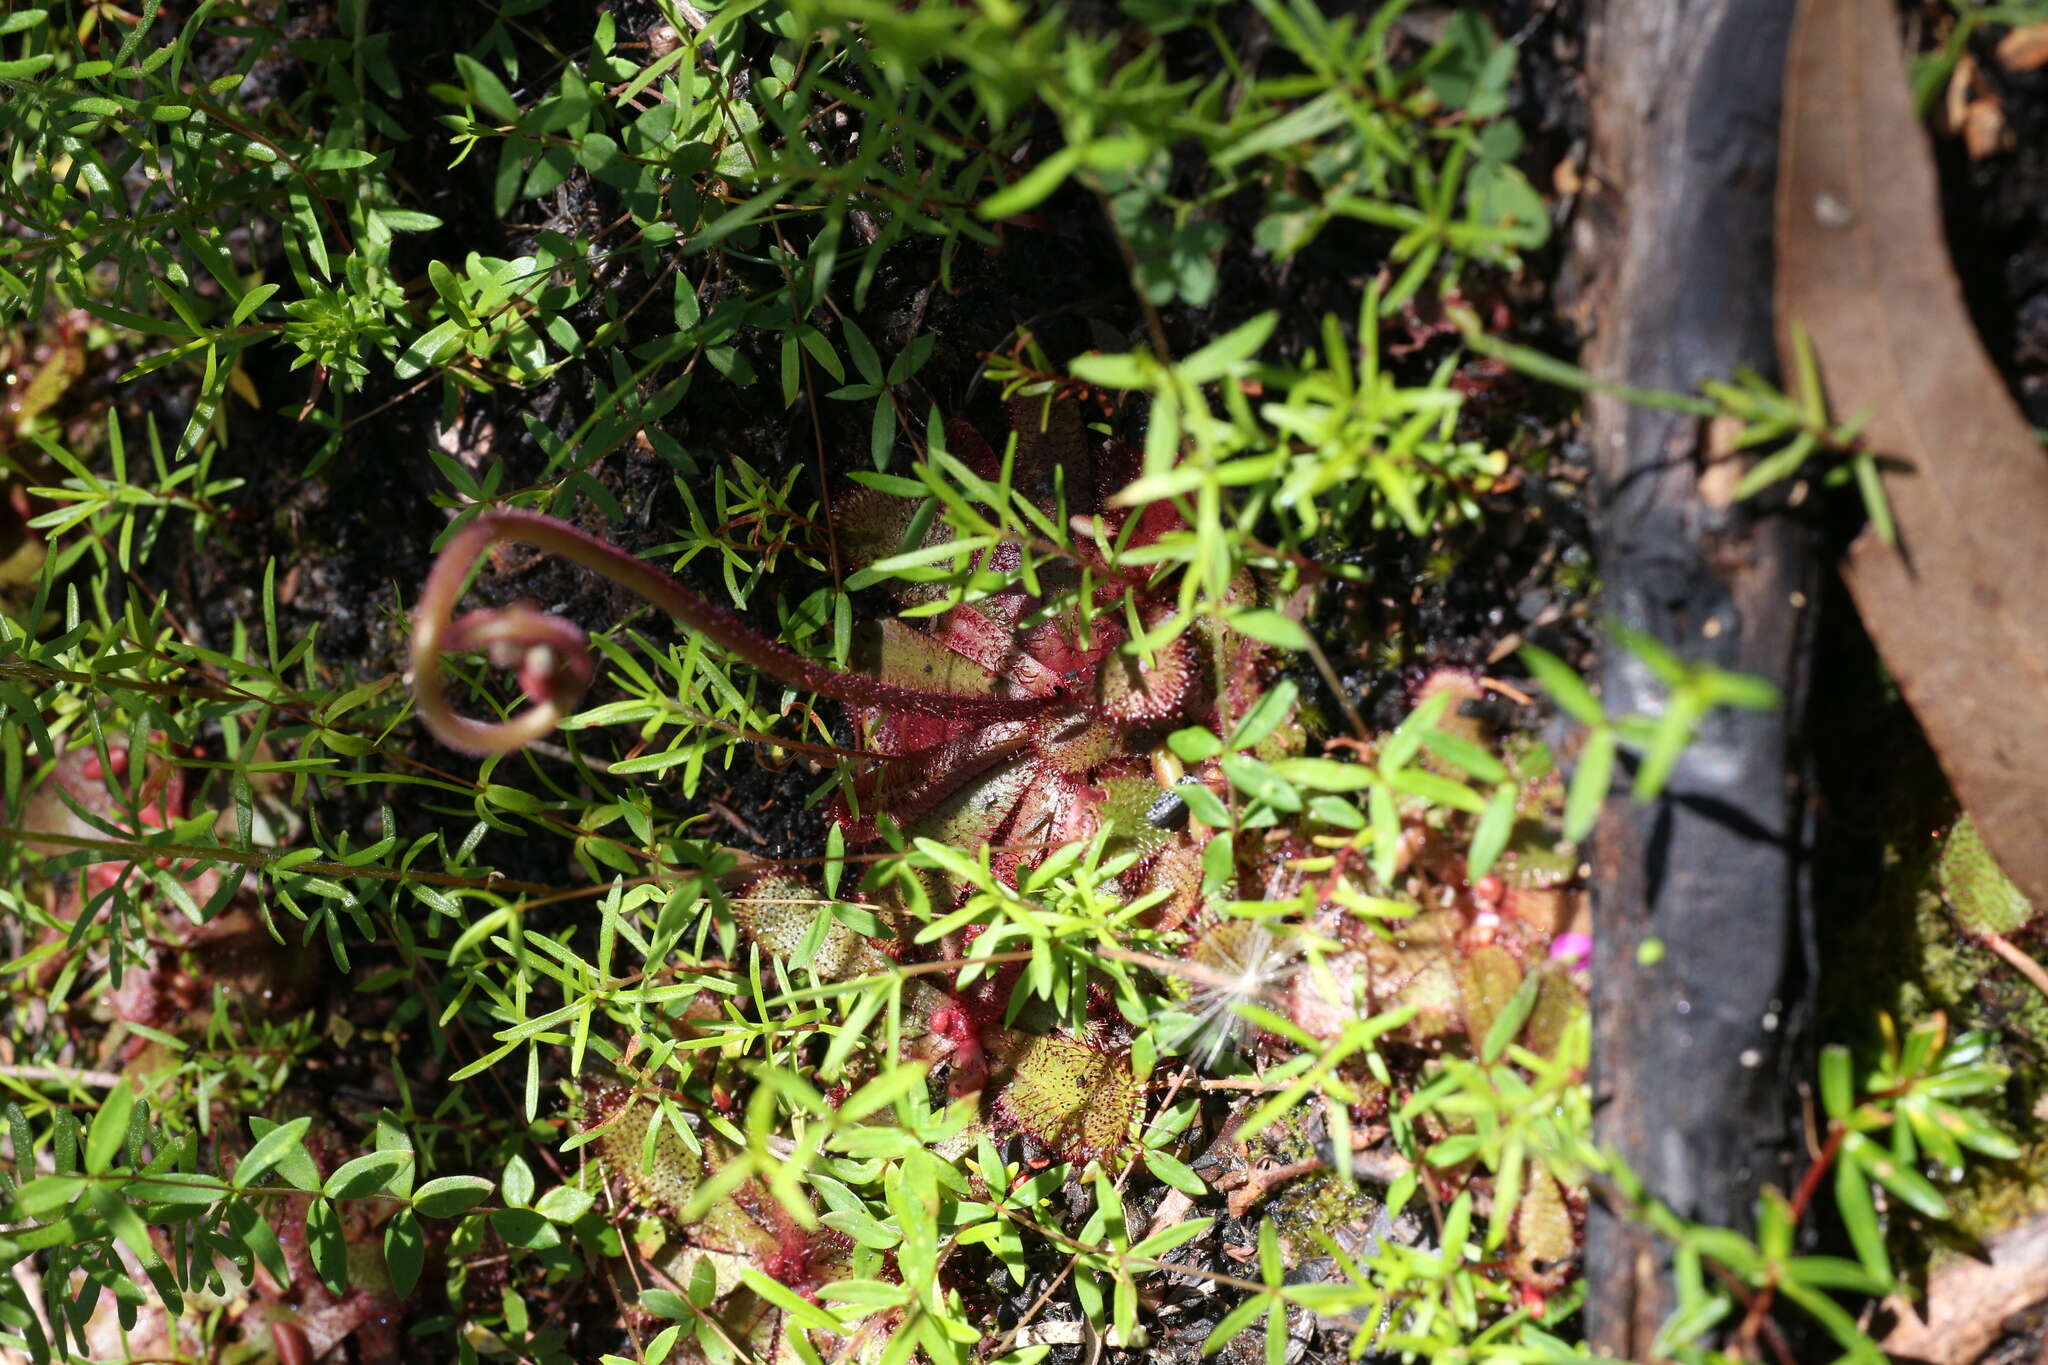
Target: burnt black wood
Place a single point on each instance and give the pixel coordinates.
(1692, 1069)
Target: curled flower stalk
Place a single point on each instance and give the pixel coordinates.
(553, 659)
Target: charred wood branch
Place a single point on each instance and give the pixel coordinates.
(1693, 1067)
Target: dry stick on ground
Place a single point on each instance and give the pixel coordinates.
(2019, 961)
(1674, 240)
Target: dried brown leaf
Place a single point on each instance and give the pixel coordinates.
(1984, 129)
(1960, 611)
(1955, 100)
(1968, 1299)
(2025, 48)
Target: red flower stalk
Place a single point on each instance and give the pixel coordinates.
(553, 655)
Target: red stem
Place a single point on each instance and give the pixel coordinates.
(1809, 1184)
(555, 663)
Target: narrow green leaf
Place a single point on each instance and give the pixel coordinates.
(1564, 685)
(1260, 782)
(1673, 734)
(789, 1301)
(251, 301)
(328, 1245)
(1859, 1216)
(1194, 744)
(664, 1303)
(1490, 835)
(1507, 1025)
(109, 1129)
(1233, 1323)
(366, 1174)
(47, 1195)
(107, 1202)
(1591, 778)
(1265, 715)
(1908, 1184)
(254, 1232)
(1973, 1132)
(1167, 1239)
(450, 1195)
(863, 1229)
(1040, 181)
(1176, 1173)
(405, 1252)
(1837, 1082)
(1441, 791)
(1203, 804)
(1270, 627)
(525, 1228)
(491, 94)
(271, 1148)
(1468, 758)
(1779, 464)
(1271, 1268)
(430, 348)
(1230, 352)
(172, 1188)
(1875, 504)
(1325, 774)
(1832, 1272)
(564, 1204)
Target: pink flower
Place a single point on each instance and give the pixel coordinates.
(1575, 950)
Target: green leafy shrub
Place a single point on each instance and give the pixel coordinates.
(649, 1080)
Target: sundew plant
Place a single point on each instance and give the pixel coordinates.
(633, 733)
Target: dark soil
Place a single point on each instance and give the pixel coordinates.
(1997, 214)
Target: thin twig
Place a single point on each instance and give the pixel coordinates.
(98, 1080)
(2021, 963)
